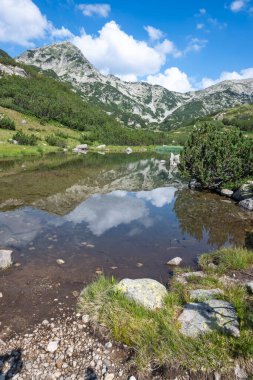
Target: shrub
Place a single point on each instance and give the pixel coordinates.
(213, 156)
(55, 141)
(7, 123)
(24, 139)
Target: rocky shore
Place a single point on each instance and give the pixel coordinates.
(64, 349)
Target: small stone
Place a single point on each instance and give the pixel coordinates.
(85, 318)
(240, 373)
(45, 322)
(60, 261)
(1, 295)
(139, 265)
(132, 378)
(109, 376)
(113, 268)
(52, 346)
(175, 261)
(249, 286)
(5, 258)
(108, 345)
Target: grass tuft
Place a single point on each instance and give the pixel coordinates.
(226, 259)
(154, 335)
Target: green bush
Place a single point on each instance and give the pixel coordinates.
(213, 156)
(24, 139)
(55, 141)
(7, 123)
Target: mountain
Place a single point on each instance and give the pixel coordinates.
(136, 104)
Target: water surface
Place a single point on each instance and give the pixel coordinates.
(124, 215)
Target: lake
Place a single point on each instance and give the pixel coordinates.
(124, 215)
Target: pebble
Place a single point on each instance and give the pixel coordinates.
(60, 261)
(52, 346)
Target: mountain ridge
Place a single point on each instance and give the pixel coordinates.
(136, 104)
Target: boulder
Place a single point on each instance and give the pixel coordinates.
(204, 294)
(101, 146)
(175, 261)
(81, 148)
(5, 258)
(244, 192)
(247, 204)
(146, 292)
(200, 318)
(194, 184)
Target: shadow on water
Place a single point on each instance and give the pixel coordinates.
(11, 364)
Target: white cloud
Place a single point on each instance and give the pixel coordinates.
(154, 33)
(21, 22)
(200, 26)
(237, 5)
(116, 52)
(60, 33)
(196, 44)
(158, 197)
(101, 10)
(226, 75)
(173, 79)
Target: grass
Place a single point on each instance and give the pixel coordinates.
(226, 259)
(154, 335)
(44, 132)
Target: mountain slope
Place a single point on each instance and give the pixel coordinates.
(136, 104)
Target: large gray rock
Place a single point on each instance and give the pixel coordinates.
(146, 292)
(245, 192)
(200, 318)
(247, 204)
(204, 294)
(5, 258)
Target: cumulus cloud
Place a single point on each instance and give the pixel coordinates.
(21, 22)
(228, 75)
(173, 79)
(101, 10)
(116, 52)
(154, 33)
(237, 5)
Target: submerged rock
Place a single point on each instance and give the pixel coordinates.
(204, 294)
(200, 318)
(247, 204)
(5, 258)
(146, 292)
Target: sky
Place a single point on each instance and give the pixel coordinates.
(182, 45)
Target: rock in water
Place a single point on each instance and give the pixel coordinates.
(5, 258)
(200, 318)
(194, 184)
(225, 192)
(175, 261)
(146, 292)
(245, 192)
(247, 204)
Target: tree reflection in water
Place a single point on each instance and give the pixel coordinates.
(203, 214)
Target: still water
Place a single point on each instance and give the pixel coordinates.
(124, 215)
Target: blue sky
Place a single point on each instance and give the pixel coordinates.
(182, 45)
